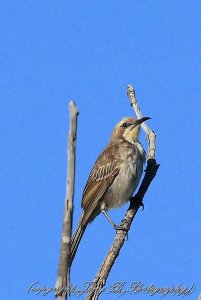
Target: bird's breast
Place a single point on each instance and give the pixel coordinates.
(125, 183)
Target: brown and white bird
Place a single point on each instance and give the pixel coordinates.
(114, 177)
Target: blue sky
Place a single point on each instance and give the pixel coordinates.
(89, 51)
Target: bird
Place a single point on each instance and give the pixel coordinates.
(113, 178)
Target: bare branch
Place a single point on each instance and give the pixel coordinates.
(151, 137)
(133, 100)
(135, 203)
(63, 276)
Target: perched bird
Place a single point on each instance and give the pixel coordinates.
(114, 177)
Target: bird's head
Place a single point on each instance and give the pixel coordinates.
(128, 129)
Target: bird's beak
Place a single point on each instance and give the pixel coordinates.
(140, 121)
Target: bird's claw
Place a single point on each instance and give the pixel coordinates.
(142, 205)
(119, 227)
(139, 201)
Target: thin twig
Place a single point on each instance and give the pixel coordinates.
(151, 137)
(63, 276)
(134, 104)
(135, 203)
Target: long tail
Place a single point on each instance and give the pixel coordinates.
(76, 238)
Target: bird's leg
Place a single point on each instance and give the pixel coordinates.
(109, 219)
(116, 227)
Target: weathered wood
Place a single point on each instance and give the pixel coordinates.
(63, 277)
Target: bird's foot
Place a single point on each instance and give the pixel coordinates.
(118, 227)
(138, 200)
(121, 228)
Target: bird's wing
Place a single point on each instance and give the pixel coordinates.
(101, 177)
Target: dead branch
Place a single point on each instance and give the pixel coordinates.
(135, 203)
(151, 136)
(63, 276)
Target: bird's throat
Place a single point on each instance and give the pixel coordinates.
(132, 135)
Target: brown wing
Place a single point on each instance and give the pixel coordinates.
(101, 177)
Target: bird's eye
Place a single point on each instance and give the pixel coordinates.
(124, 125)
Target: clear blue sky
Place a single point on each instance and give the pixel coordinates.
(54, 51)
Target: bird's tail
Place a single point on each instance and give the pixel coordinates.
(76, 238)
